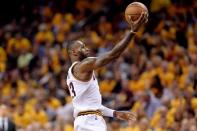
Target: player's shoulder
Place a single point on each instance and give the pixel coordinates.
(87, 61)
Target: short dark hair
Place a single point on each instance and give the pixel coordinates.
(69, 45)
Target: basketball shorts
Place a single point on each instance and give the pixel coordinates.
(90, 122)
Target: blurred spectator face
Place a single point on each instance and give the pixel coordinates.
(40, 94)
(192, 122)
(165, 66)
(156, 61)
(115, 125)
(179, 114)
(18, 36)
(165, 101)
(52, 84)
(175, 126)
(163, 111)
(34, 127)
(134, 72)
(48, 127)
(21, 110)
(3, 110)
(187, 93)
(185, 124)
(30, 128)
(37, 107)
(142, 96)
(162, 123)
(193, 128)
(149, 66)
(144, 124)
(15, 75)
(176, 92)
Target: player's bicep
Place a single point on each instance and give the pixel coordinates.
(87, 64)
(104, 60)
(93, 63)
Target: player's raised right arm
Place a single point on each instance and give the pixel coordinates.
(92, 63)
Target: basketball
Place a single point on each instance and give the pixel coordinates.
(134, 10)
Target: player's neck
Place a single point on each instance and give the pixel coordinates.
(74, 59)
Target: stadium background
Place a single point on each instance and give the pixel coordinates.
(156, 76)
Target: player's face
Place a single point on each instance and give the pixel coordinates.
(84, 52)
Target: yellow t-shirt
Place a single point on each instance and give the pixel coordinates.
(107, 85)
(194, 103)
(155, 119)
(170, 117)
(21, 88)
(49, 37)
(156, 5)
(177, 103)
(167, 78)
(3, 55)
(68, 127)
(39, 37)
(160, 129)
(29, 105)
(136, 128)
(54, 103)
(6, 90)
(2, 66)
(22, 120)
(40, 117)
(136, 106)
(25, 44)
(11, 44)
(182, 80)
(60, 37)
(57, 19)
(136, 85)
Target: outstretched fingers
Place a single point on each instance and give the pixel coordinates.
(140, 21)
(132, 116)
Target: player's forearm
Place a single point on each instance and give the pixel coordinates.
(110, 112)
(122, 45)
(107, 111)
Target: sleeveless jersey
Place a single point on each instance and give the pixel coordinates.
(85, 95)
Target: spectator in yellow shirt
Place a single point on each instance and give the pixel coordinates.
(21, 118)
(39, 115)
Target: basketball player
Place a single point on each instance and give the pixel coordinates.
(83, 85)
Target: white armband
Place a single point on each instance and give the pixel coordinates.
(107, 111)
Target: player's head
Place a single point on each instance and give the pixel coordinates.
(77, 50)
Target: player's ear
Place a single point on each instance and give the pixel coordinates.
(74, 52)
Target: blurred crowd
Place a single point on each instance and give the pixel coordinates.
(156, 76)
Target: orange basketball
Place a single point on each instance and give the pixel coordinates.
(134, 10)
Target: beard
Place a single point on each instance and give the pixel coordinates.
(83, 56)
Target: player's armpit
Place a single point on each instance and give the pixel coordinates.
(93, 63)
(86, 65)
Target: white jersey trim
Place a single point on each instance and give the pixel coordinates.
(76, 77)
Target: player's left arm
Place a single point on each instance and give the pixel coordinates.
(122, 115)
